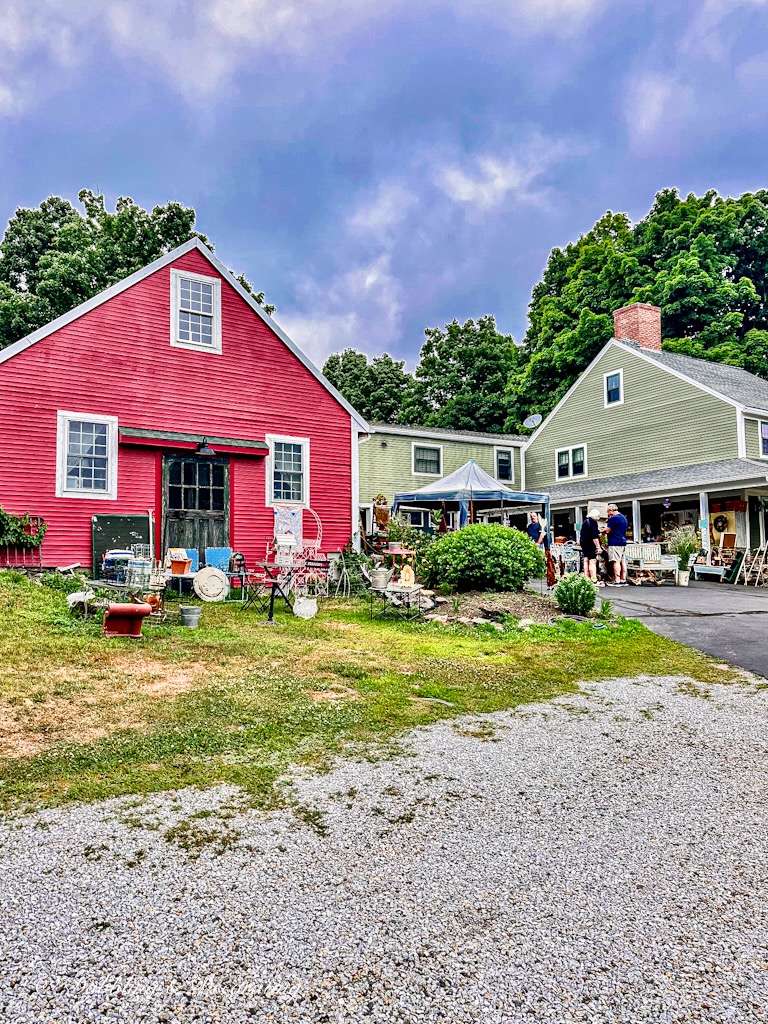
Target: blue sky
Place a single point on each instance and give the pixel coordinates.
(380, 167)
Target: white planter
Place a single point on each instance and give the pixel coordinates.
(683, 575)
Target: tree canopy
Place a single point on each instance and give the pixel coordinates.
(460, 377)
(458, 383)
(702, 259)
(374, 388)
(53, 257)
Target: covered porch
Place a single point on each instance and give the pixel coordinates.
(728, 497)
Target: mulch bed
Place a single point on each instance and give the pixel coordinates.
(523, 605)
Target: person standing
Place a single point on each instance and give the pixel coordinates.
(537, 531)
(589, 540)
(616, 529)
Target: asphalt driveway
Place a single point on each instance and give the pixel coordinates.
(728, 622)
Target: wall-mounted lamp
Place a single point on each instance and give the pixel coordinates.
(203, 449)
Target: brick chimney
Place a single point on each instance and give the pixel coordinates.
(640, 322)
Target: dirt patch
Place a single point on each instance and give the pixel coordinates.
(523, 605)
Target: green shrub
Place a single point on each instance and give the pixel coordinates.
(66, 584)
(576, 594)
(482, 557)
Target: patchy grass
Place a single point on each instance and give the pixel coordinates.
(83, 717)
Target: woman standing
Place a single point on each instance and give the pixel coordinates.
(588, 538)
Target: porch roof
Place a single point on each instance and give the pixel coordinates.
(700, 477)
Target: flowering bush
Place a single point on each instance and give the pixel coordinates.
(482, 557)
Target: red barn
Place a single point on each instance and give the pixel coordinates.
(104, 412)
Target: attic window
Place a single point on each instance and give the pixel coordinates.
(614, 388)
(570, 462)
(195, 311)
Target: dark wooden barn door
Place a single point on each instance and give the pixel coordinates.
(195, 503)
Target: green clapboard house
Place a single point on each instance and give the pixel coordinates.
(671, 439)
(395, 459)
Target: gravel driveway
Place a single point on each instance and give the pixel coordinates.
(601, 858)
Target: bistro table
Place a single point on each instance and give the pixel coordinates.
(276, 578)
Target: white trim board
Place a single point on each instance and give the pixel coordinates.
(151, 268)
(469, 437)
(269, 493)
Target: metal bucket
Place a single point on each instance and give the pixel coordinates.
(190, 615)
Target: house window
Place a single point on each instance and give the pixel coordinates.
(614, 388)
(764, 440)
(86, 465)
(504, 465)
(288, 477)
(570, 462)
(195, 311)
(427, 460)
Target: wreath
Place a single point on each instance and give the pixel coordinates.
(720, 523)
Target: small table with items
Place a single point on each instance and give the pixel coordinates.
(272, 579)
(403, 602)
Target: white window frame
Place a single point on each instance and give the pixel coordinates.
(63, 420)
(606, 403)
(421, 444)
(501, 448)
(760, 424)
(570, 449)
(271, 439)
(177, 276)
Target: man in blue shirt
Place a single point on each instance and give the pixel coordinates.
(537, 530)
(617, 542)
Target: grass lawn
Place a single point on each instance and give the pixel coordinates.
(83, 717)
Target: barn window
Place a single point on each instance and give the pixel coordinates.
(86, 465)
(195, 311)
(427, 460)
(288, 476)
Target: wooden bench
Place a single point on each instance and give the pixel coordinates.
(648, 564)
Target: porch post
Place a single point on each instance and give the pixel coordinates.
(577, 517)
(637, 526)
(704, 518)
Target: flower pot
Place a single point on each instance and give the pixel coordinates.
(683, 576)
(180, 566)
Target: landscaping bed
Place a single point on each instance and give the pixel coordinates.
(521, 605)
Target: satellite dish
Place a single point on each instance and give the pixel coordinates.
(533, 421)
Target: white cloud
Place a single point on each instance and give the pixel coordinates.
(705, 36)
(487, 180)
(656, 107)
(201, 45)
(407, 239)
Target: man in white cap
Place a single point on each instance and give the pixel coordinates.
(589, 541)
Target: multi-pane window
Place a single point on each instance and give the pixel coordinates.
(613, 388)
(503, 464)
(87, 456)
(196, 486)
(571, 462)
(288, 471)
(427, 459)
(764, 439)
(196, 312)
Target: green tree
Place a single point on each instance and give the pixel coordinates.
(460, 378)
(376, 388)
(702, 259)
(54, 257)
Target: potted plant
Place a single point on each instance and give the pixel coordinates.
(683, 542)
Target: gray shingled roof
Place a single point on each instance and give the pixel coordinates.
(731, 381)
(481, 435)
(726, 472)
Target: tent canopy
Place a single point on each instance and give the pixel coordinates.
(469, 483)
